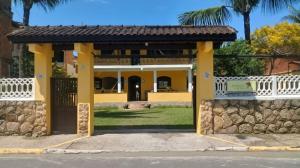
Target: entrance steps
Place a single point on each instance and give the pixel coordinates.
(138, 105)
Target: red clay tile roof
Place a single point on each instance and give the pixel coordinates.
(63, 34)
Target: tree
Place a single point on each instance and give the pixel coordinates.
(281, 39)
(222, 14)
(237, 66)
(294, 15)
(27, 6)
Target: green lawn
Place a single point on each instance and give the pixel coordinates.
(158, 117)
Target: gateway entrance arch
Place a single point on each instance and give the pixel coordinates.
(166, 50)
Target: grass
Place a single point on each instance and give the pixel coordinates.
(158, 117)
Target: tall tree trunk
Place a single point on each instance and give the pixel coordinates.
(26, 9)
(247, 29)
(26, 15)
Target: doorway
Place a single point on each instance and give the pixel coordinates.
(64, 105)
(134, 88)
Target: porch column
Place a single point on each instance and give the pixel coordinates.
(85, 122)
(155, 81)
(205, 78)
(190, 81)
(43, 54)
(119, 82)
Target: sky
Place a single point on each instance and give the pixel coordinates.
(135, 12)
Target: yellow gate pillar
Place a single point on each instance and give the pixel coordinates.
(85, 111)
(43, 54)
(205, 77)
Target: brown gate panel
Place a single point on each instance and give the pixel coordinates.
(194, 102)
(64, 105)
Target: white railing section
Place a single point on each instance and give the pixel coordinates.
(267, 87)
(17, 88)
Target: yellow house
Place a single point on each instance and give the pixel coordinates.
(117, 64)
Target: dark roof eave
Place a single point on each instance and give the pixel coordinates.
(95, 39)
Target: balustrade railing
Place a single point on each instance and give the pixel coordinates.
(266, 87)
(17, 88)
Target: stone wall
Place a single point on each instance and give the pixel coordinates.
(23, 118)
(250, 116)
(83, 118)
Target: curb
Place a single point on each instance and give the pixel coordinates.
(21, 151)
(273, 148)
(75, 151)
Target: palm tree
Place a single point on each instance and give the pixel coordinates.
(27, 6)
(294, 15)
(221, 15)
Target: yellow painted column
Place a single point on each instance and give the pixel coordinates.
(205, 77)
(43, 54)
(85, 88)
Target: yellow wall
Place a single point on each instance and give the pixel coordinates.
(179, 79)
(205, 77)
(43, 72)
(85, 82)
(110, 98)
(170, 97)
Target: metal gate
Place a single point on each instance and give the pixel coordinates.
(194, 101)
(64, 105)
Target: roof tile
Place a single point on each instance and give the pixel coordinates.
(121, 33)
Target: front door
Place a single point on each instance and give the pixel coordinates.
(64, 105)
(134, 88)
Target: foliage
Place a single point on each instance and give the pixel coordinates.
(281, 39)
(58, 71)
(294, 15)
(221, 15)
(237, 66)
(28, 65)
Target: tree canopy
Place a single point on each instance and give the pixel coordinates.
(281, 39)
(221, 15)
(237, 66)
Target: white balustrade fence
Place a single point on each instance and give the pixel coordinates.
(267, 87)
(17, 88)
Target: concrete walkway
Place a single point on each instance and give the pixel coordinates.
(151, 142)
(137, 142)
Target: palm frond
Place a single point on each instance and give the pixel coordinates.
(242, 6)
(294, 15)
(49, 4)
(274, 6)
(211, 16)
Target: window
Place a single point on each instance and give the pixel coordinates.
(164, 82)
(108, 83)
(135, 52)
(135, 60)
(58, 56)
(98, 83)
(107, 52)
(165, 52)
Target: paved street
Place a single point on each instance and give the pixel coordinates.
(158, 159)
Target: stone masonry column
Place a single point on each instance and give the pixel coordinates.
(43, 54)
(85, 111)
(205, 77)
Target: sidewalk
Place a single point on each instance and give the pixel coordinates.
(151, 142)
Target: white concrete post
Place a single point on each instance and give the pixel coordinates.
(119, 82)
(190, 81)
(274, 86)
(154, 81)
